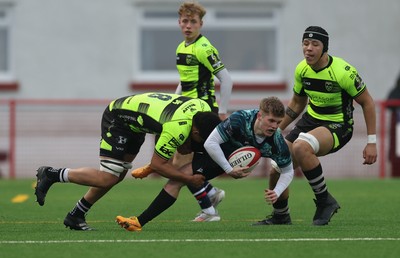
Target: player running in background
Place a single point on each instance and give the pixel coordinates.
(327, 86)
(256, 127)
(178, 121)
(197, 61)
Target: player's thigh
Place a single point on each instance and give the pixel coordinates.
(205, 165)
(325, 139)
(180, 160)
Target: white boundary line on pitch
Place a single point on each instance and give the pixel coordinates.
(198, 240)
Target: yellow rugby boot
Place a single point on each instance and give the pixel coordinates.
(130, 224)
(142, 172)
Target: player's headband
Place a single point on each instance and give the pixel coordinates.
(324, 38)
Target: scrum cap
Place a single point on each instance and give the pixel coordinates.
(318, 33)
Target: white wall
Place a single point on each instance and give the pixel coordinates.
(363, 32)
(83, 48)
(73, 48)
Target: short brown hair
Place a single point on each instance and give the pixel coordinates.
(272, 105)
(192, 8)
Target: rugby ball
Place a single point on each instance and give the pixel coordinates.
(245, 156)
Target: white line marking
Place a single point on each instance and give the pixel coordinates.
(198, 240)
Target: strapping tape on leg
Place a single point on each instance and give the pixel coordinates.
(311, 140)
(114, 167)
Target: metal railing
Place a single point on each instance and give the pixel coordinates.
(66, 132)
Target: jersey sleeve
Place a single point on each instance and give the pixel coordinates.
(351, 81)
(231, 128)
(173, 135)
(209, 57)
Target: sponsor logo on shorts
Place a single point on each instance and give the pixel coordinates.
(122, 140)
(335, 126)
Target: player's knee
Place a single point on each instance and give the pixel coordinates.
(303, 143)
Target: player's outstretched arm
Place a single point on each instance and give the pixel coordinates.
(165, 169)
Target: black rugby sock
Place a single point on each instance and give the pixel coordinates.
(81, 208)
(201, 196)
(161, 203)
(317, 182)
(281, 207)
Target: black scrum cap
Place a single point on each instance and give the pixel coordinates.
(318, 33)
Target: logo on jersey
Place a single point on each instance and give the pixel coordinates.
(358, 82)
(214, 60)
(173, 142)
(328, 86)
(177, 102)
(188, 59)
(163, 149)
(189, 107)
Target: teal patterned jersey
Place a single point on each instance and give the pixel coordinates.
(238, 131)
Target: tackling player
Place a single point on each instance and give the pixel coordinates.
(179, 121)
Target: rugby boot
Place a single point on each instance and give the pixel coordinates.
(275, 219)
(43, 183)
(325, 210)
(142, 172)
(76, 223)
(130, 224)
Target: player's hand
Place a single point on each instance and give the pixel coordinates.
(370, 154)
(239, 172)
(197, 180)
(270, 196)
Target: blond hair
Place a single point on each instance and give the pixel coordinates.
(191, 9)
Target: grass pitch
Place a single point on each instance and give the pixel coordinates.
(367, 225)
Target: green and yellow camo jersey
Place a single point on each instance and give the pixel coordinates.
(167, 115)
(330, 91)
(197, 63)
